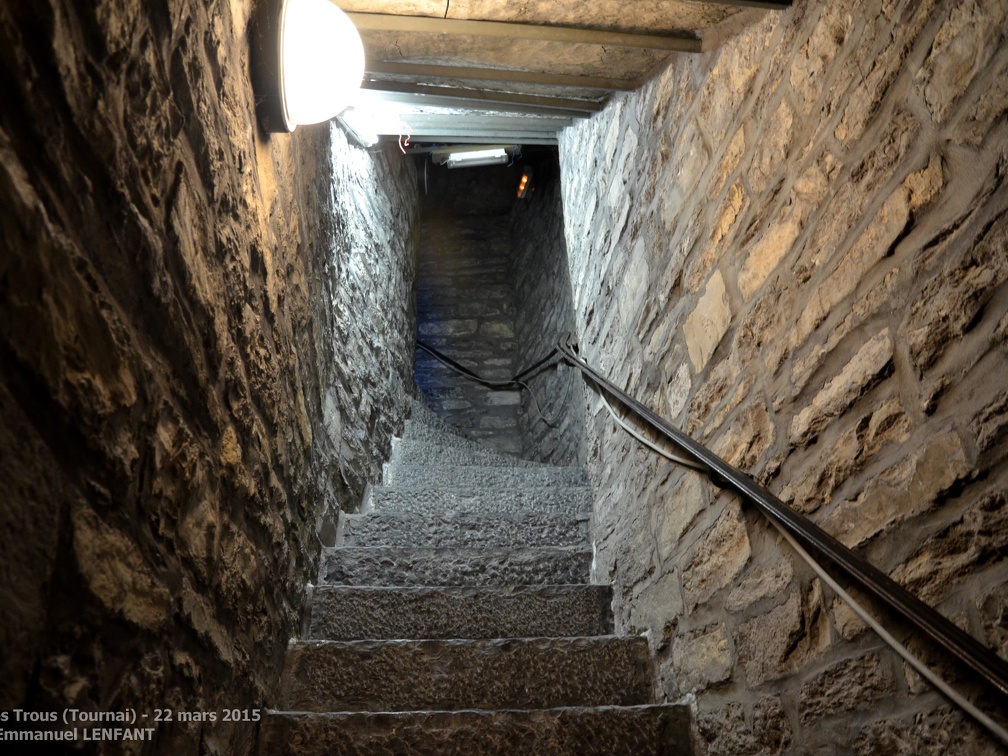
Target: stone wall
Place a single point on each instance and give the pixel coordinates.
(465, 305)
(552, 423)
(204, 349)
(794, 246)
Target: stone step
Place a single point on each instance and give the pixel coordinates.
(421, 414)
(417, 476)
(415, 430)
(463, 530)
(433, 499)
(414, 675)
(661, 730)
(406, 451)
(451, 566)
(363, 612)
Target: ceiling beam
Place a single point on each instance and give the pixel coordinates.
(566, 34)
(498, 74)
(486, 96)
(525, 140)
(486, 133)
(471, 105)
(476, 121)
(764, 4)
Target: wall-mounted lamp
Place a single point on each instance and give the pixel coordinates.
(525, 185)
(307, 61)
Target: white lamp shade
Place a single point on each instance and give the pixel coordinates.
(321, 61)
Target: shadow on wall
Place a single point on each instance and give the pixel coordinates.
(182, 392)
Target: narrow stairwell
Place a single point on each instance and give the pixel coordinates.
(455, 615)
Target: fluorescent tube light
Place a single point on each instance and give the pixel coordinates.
(474, 158)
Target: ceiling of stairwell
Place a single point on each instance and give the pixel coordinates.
(510, 72)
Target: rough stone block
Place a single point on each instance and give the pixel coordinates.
(961, 50)
(849, 685)
(464, 530)
(743, 442)
(729, 732)
(708, 323)
(931, 733)
(862, 372)
(115, 571)
(764, 642)
(847, 623)
(432, 500)
(909, 488)
(760, 583)
(675, 511)
(947, 306)
(363, 612)
(483, 477)
(871, 246)
(515, 673)
(656, 606)
(390, 566)
(769, 250)
(720, 556)
(569, 731)
(817, 57)
(978, 537)
(702, 658)
(990, 422)
(414, 452)
(888, 425)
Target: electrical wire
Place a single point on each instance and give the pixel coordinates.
(409, 135)
(926, 672)
(648, 443)
(563, 403)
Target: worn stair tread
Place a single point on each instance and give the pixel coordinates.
(407, 451)
(463, 529)
(424, 612)
(423, 415)
(420, 431)
(452, 566)
(404, 675)
(656, 729)
(482, 476)
(420, 499)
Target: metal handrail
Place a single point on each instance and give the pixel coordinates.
(980, 659)
(970, 652)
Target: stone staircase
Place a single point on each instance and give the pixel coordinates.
(455, 615)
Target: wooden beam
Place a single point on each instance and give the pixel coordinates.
(482, 139)
(487, 96)
(486, 133)
(471, 105)
(485, 122)
(763, 4)
(565, 34)
(498, 74)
